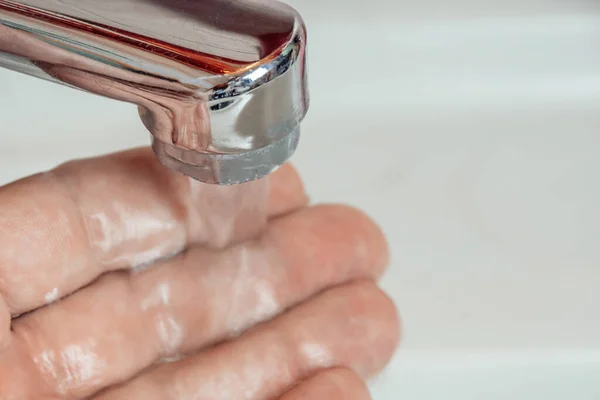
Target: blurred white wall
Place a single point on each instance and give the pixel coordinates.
(470, 131)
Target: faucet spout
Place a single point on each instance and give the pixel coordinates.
(220, 84)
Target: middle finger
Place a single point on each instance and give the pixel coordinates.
(123, 323)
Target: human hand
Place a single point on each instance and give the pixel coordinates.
(125, 280)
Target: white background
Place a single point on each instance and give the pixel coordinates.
(470, 131)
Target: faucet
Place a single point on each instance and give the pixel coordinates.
(219, 84)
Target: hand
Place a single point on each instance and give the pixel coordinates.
(125, 280)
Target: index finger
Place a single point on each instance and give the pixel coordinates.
(61, 229)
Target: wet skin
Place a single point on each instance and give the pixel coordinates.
(120, 279)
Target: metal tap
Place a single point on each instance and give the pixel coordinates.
(220, 84)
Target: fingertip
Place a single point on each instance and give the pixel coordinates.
(391, 324)
(327, 245)
(383, 332)
(287, 191)
(354, 225)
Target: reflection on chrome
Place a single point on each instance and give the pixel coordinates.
(220, 84)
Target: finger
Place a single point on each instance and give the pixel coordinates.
(16, 372)
(4, 325)
(62, 229)
(354, 326)
(286, 191)
(127, 322)
(333, 384)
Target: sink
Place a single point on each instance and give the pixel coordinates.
(470, 130)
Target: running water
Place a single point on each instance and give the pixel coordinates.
(229, 214)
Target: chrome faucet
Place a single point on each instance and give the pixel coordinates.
(220, 84)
